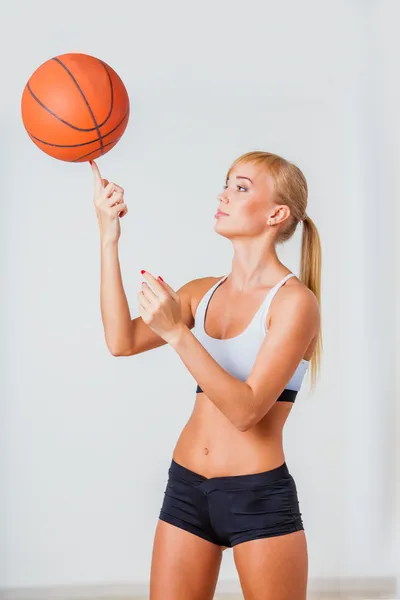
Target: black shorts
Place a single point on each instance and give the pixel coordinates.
(232, 509)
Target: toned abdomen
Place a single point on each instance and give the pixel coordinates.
(212, 446)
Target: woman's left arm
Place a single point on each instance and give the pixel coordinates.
(244, 403)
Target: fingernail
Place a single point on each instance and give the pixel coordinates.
(159, 277)
(91, 162)
(143, 271)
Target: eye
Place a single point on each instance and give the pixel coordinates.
(238, 186)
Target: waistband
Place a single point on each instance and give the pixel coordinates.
(230, 481)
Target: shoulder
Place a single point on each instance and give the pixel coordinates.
(193, 291)
(295, 298)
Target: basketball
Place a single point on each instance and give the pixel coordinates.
(75, 107)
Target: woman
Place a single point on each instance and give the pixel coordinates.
(229, 484)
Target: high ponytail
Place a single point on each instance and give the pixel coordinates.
(310, 275)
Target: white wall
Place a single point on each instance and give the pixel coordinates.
(87, 438)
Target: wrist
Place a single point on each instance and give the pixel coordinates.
(108, 243)
(178, 335)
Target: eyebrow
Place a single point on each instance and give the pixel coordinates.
(240, 177)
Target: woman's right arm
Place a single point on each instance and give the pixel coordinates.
(115, 311)
(110, 207)
(124, 336)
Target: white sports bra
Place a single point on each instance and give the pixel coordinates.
(238, 354)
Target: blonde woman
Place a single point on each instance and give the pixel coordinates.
(248, 339)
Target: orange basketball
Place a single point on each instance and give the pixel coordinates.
(75, 107)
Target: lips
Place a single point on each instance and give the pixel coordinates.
(219, 212)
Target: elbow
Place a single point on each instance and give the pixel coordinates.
(248, 418)
(246, 423)
(252, 420)
(119, 352)
(243, 428)
(115, 352)
(118, 348)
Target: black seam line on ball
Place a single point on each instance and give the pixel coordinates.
(83, 143)
(96, 149)
(111, 93)
(28, 87)
(85, 101)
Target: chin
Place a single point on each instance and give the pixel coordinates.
(224, 231)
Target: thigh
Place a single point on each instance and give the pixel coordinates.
(273, 568)
(184, 566)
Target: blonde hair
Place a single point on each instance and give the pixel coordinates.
(291, 189)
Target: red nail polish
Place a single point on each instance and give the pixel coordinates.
(143, 271)
(91, 162)
(159, 277)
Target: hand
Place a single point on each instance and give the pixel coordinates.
(109, 203)
(160, 309)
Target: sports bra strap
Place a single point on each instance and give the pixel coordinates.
(272, 293)
(202, 305)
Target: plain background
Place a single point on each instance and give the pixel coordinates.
(87, 438)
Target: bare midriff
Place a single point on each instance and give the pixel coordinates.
(212, 446)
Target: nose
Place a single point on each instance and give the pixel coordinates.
(223, 198)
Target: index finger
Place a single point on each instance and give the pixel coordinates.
(96, 172)
(155, 282)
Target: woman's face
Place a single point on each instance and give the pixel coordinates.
(247, 200)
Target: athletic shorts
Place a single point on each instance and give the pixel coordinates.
(232, 509)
